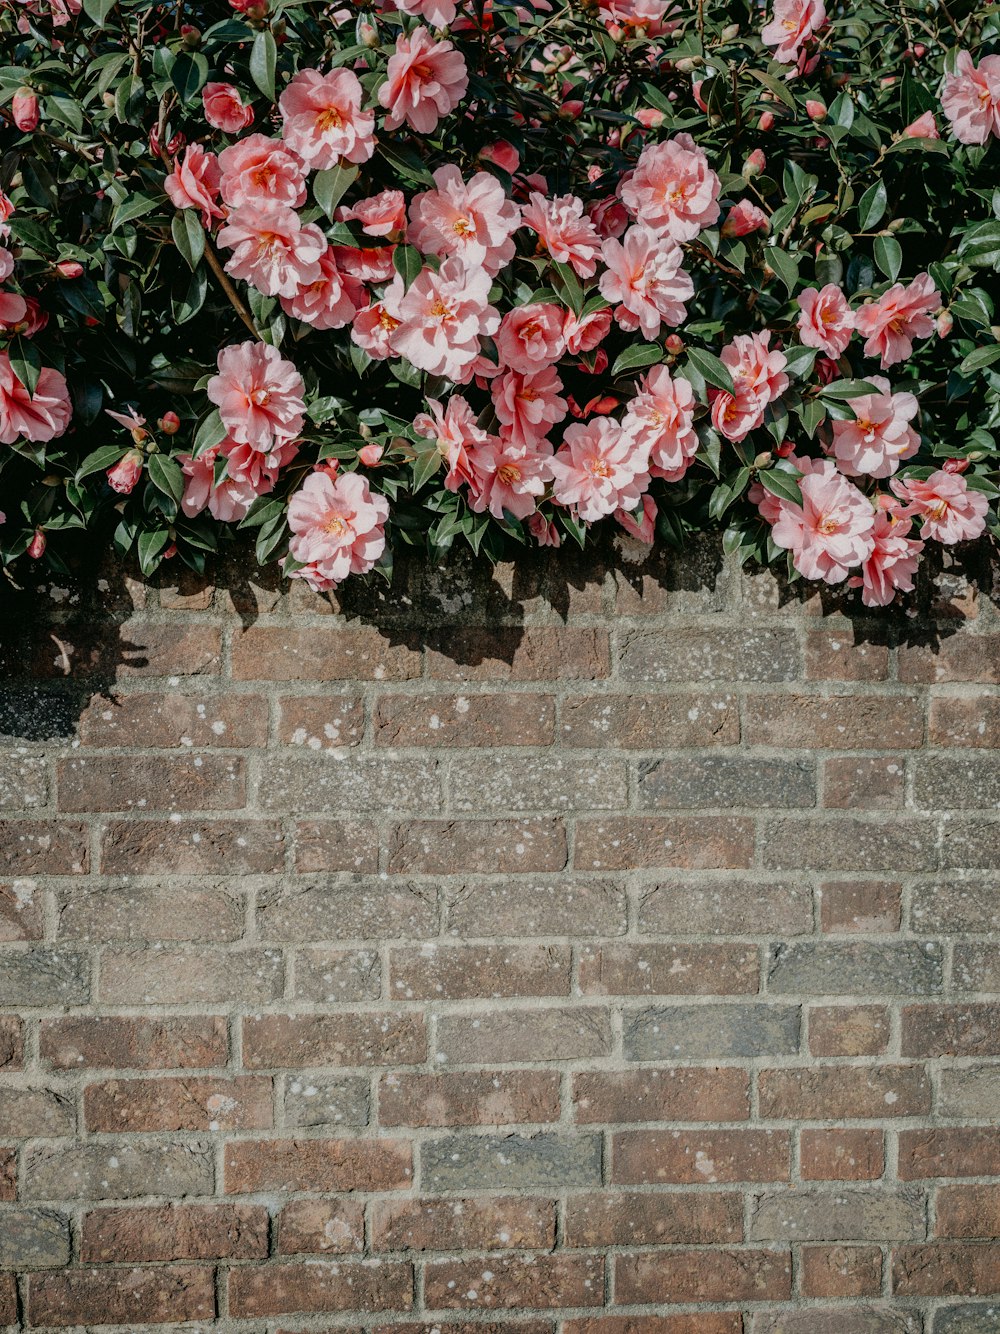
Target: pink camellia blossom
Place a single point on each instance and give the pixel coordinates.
(426, 80)
(564, 231)
(673, 190)
(890, 324)
(502, 154)
(924, 127)
(133, 422)
(258, 394)
(259, 170)
(43, 415)
(645, 275)
(322, 119)
(880, 437)
(272, 249)
(194, 183)
(247, 475)
(609, 216)
(948, 510)
(583, 333)
(527, 404)
(457, 435)
(369, 264)
(442, 317)
(370, 455)
(543, 530)
(383, 214)
(438, 13)
(126, 473)
(24, 109)
(661, 418)
(338, 528)
(892, 563)
(831, 532)
(825, 321)
(330, 301)
(795, 22)
(372, 329)
(6, 265)
(224, 109)
(758, 374)
(640, 523)
(599, 468)
(531, 337)
(970, 98)
(13, 312)
(744, 218)
(508, 477)
(473, 220)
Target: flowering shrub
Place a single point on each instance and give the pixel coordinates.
(489, 271)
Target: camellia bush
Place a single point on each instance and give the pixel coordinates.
(430, 272)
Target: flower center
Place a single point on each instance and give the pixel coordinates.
(422, 71)
(827, 525)
(440, 310)
(938, 510)
(509, 473)
(329, 119)
(335, 526)
(599, 467)
(462, 227)
(260, 397)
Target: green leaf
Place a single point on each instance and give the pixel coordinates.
(726, 492)
(150, 547)
(407, 164)
(26, 362)
(781, 483)
(872, 207)
(166, 475)
(711, 369)
(408, 262)
(800, 360)
(635, 356)
(135, 206)
(189, 236)
(982, 356)
(330, 186)
(188, 73)
(811, 413)
(425, 466)
(264, 62)
(98, 10)
(842, 391)
(100, 460)
(785, 266)
(210, 432)
(568, 287)
(888, 256)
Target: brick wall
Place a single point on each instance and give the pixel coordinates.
(608, 946)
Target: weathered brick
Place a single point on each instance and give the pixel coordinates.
(866, 1319)
(650, 969)
(866, 907)
(704, 1032)
(119, 1170)
(653, 1218)
(11, 1042)
(964, 720)
(733, 908)
(866, 1214)
(359, 1285)
(970, 844)
(198, 1103)
(299, 1040)
(840, 1271)
(44, 975)
(536, 1282)
(122, 1296)
(36, 1112)
(24, 782)
(686, 1157)
(949, 1151)
(321, 1227)
(845, 844)
(687, 842)
(22, 907)
(539, 1034)
(864, 782)
(941, 782)
(678, 1093)
(321, 722)
(170, 649)
(326, 1101)
(149, 912)
(650, 722)
(336, 845)
(479, 1097)
(321, 653)
(492, 1224)
(842, 655)
(43, 847)
(33, 1239)
(457, 972)
(317, 1165)
(460, 847)
(724, 654)
(971, 1211)
(856, 968)
(516, 653)
(833, 722)
(719, 1275)
(542, 1162)
(8, 1298)
(368, 911)
(962, 657)
(955, 906)
(464, 720)
(969, 1318)
(943, 1268)
(350, 783)
(193, 782)
(835, 1093)
(113, 1042)
(192, 847)
(174, 976)
(136, 1235)
(727, 781)
(969, 1092)
(174, 720)
(848, 1030)
(8, 1175)
(975, 966)
(333, 976)
(841, 1155)
(566, 907)
(951, 1030)
(515, 782)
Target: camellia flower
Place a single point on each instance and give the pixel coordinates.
(924, 127)
(457, 434)
(438, 13)
(383, 214)
(258, 394)
(583, 333)
(224, 109)
(126, 473)
(442, 317)
(528, 403)
(599, 468)
(948, 510)
(831, 532)
(194, 183)
(473, 220)
(338, 528)
(880, 437)
(564, 231)
(673, 190)
(508, 477)
(795, 23)
(744, 218)
(758, 375)
(329, 301)
(272, 249)
(644, 274)
(826, 320)
(640, 523)
(970, 98)
(890, 324)
(661, 418)
(43, 415)
(322, 119)
(543, 530)
(531, 337)
(259, 170)
(893, 561)
(425, 81)
(24, 110)
(372, 328)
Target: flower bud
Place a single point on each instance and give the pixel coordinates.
(169, 423)
(125, 473)
(190, 36)
(675, 344)
(754, 165)
(764, 460)
(368, 34)
(815, 109)
(730, 32)
(69, 268)
(785, 448)
(944, 323)
(25, 110)
(766, 121)
(689, 64)
(956, 465)
(370, 455)
(36, 547)
(650, 117)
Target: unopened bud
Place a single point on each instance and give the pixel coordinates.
(764, 460)
(754, 165)
(36, 547)
(785, 448)
(730, 32)
(169, 423)
(956, 465)
(69, 268)
(816, 110)
(766, 121)
(675, 344)
(24, 108)
(944, 323)
(368, 35)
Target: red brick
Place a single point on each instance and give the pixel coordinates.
(653, 1218)
(833, 1093)
(321, 653)
(12, 1042)
(946, 1269)
(705, 842)
(175, 719)
(151, 783)
(670, 1094)
(43, 847)
(650, 969)
(171, 649)
(841, 1155)
(848, 1030)
(119, 1042)
(870, 782)
(189, 975)
(361, 1285)
(840, 1271)
(535, 1282)
(8, 1299)
(277, 1041)
(518, 653)
(949, 1152)
(968, 1211)
(951, 1030)
(321, 722)
(838, 722)
(22, 909)
(239, 1103)
(707, 1322)
(662, 1157)
(958, 657)
(464, 720)
(513, 1326)
(317, 1165)
(446, 847)
(113, 1296)
(837, 655)
(8, 1175)
(458, 972)
(192, 847)
(865, 906)
(703, 1276)
(336, 845)
(466, 1224)
(648, 722)
(964, 720)
(321, 1227)
(175, 1232)
(478, 1098)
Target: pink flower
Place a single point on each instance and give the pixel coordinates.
(329, 301)
(247, 475)
(373, 329)
(369, 264)
(644, 273)
(673, 190)
(758, 376)
(948, 510)
(609, 216)
(438, 13)
(744, 218)
(880, 437)
(564, 231)
(272, 250)
(924, 127)
(126, 473)
(43, 415)
(473, 220)
(795, 23)
(893, 561)
(543, 530)
(509, 478)
(531, 337)
(584, 333)
(599, 468)
(426, 80)
(527, 404)
(338, 528)
(13, 312)
(194, 183)
(258, 394)
(442, 318)
(831, 531)
(383, 214)
(322, 119)
(224, 109)
(890, 324)
(826, 321)
(971, 98)
(457, 434)
(259, 170)
(661, 418)
(24, 109)
(502, 154)
(641, 523)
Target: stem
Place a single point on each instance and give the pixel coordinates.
(230, 291)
